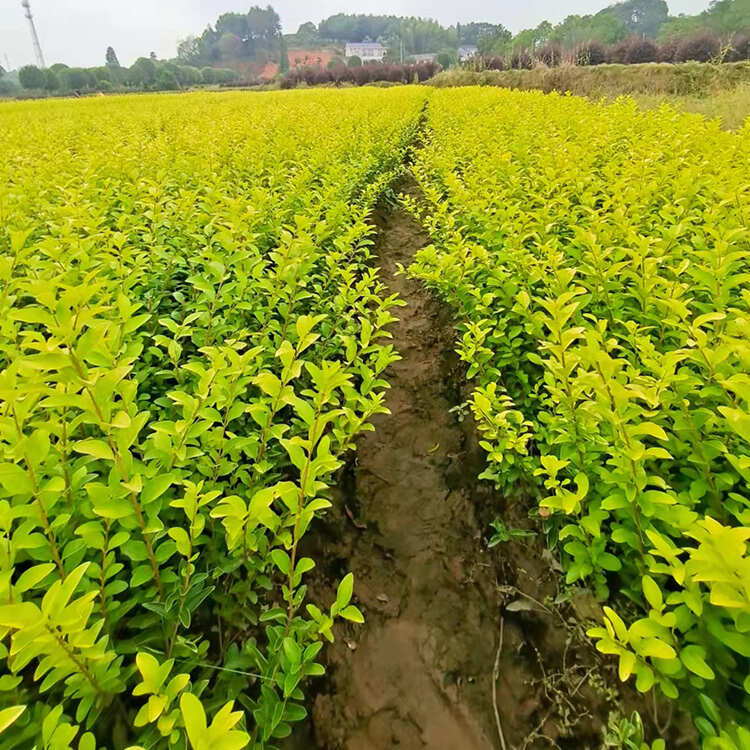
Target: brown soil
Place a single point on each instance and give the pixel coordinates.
(419, 673)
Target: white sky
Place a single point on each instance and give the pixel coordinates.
(78, 32)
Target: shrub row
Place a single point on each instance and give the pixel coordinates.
(602, 296)
(703, 47)
(314, 76)
(192, 335)
(144, 75)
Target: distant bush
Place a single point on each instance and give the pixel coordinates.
(496, 63)
(8, 88)
(550, 55)
(224, 75)
(77, 78)
(445, 60)
(335, 62)
(166, 79)
(521, 60)
(640, 50)
(701, 48)
(592, 53)
(187, 75)
(354, 61)
(740, 49)
(668, 50)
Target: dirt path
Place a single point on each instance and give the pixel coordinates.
(417, 675)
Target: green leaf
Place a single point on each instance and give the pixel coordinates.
(281, 560)
(95, 448)
(627, 665)
(352, 613)
(656, 649)
(19, 615)
(182, 540)
(345, 590)
(15, 480)
(652, 592)
(140, 575)
(694, 658)
(10, 715)
(155, 488)
(33, 576)
(194, 718)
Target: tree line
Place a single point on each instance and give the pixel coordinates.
(256, 35)
(725, 21)
(145, 74)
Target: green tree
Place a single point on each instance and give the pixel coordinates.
(354, 61)
(231, 46)
(188, 75)
(51, 81)
(477, 32)
(111, 57)
(31, 77)
(142, 73)
(642, 17)
(308, 32)
(77, 78)
(263, 24)
(283, 57)
(495, 41)
(190, 50)
(446, 59)
(166, 77)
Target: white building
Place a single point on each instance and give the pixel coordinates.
(467, 52)
(424, 57)
(366, 51)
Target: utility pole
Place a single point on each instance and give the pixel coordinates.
(34, 37)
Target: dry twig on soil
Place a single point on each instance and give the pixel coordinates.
(495, 675)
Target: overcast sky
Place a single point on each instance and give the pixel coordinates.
(78, 32)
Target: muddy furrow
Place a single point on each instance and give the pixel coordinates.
(418, 674)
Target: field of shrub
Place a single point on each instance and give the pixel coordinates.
(598, 261)
(193, 333)
(191, 337)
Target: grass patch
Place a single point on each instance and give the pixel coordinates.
(657, 79)
(731, 106)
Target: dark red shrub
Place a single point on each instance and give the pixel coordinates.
(668, 50)
(339, 74)
(592, 53)
(521, 60)
(740, 49)
(701, 47)
(495, 63)
(550, 55)
(641, 51)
